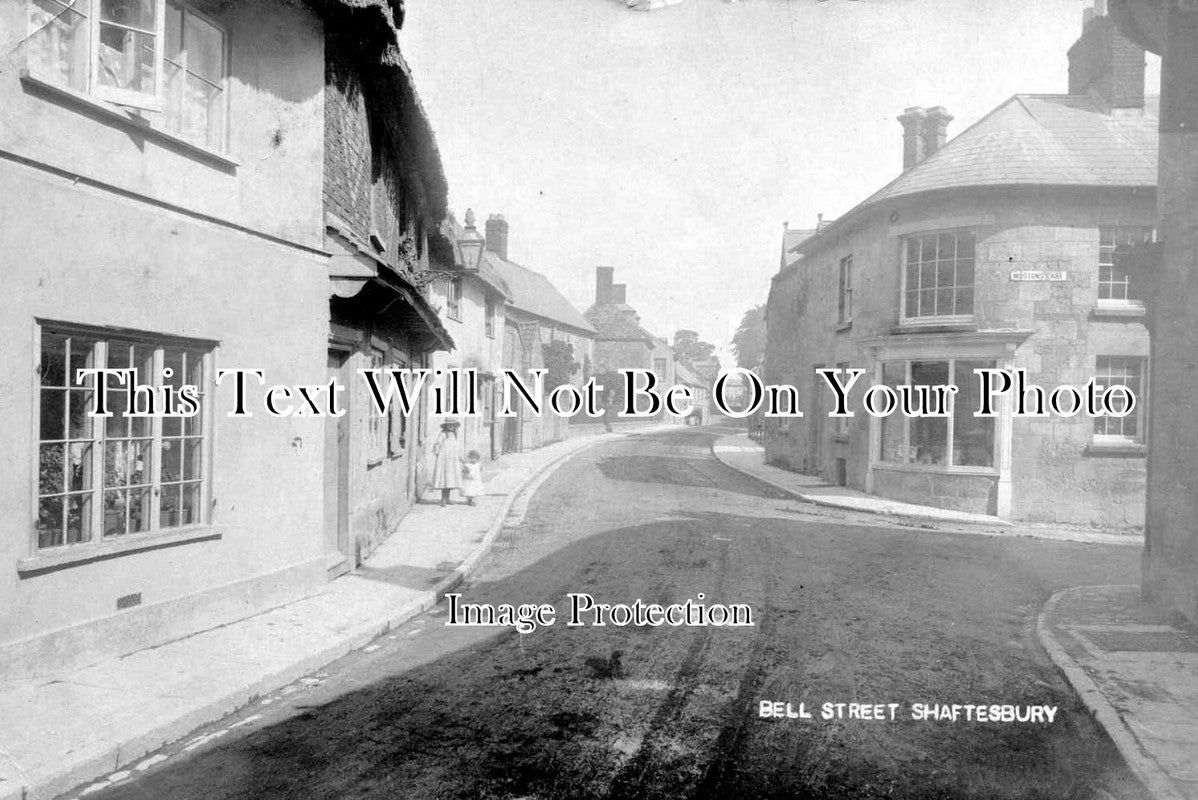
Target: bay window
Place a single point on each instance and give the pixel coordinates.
(155, 55)
(957, 440)
(101, 478)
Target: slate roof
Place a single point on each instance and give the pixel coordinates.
(532, 293)
(686, 376)
(1037, 140)
(619, 322)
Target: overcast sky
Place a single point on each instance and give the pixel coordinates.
(673, 144)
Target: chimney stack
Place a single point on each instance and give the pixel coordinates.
(935, 130)
(603, 277)
(913, 120)
(619, 294)
(497, 235)
(1106, 63)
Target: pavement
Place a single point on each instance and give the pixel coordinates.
(744, 455)
(1133, 667)
(1137, 672)
(59, 732)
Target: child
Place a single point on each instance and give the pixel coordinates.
(447, 468)
(472, 477)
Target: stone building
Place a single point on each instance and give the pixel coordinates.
(621, 342)
(994, 249)
(1170, 28)
(169, 204)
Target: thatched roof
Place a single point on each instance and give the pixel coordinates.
(373, 26)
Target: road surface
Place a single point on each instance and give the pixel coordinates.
(847, 608)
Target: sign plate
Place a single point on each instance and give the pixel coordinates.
(1039, 275)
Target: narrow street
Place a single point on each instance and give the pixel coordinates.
(848, 609)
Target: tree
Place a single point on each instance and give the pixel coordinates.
(690, 349)
(749, 341)
(560, 365)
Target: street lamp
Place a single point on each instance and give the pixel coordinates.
(471, 245)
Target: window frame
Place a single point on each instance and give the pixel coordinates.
(950, 464)
(1108, 440)
(489, 316)
(1149, 234)
(844, 297)
(97, 427)
(905, 317)
(453, 298)
(92, 91)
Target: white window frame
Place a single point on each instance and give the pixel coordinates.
(950, 450)
(155, 102)
(98, 436)
(1141, 393)
(907, 319)
(1146, 233)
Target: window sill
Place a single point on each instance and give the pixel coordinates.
(1130, 310)
(80, 554)
(1115, 450)
(841, 327)
(114, 113)
(985, 472)
(935, 325)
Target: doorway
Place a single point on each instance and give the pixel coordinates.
(337, 548)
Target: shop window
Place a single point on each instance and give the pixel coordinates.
(957, 440)
(101, 478)
(938, 272)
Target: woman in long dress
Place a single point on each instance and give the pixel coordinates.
(447, 468)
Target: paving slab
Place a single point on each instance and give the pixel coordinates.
(1136, 670)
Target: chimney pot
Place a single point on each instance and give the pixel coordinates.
(496, 235)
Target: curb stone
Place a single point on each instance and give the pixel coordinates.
(94, 767)
(1143, 765)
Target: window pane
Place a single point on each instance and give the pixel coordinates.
(50, 469)
(928, 250)
(54, 360)
(49, 521)
(82, 356)
(190, 511)
(57, 46)
(893, 374)
(174, 32)
(965, 246)
(132, 13)
(126, 59)
(139, 510)
(947, 246)
(81, 419)
(79, 518)
(116, 508)
(973, 437)
(80, 464)
(964, 301)
(118, 424)
(205, 49)
(172, 454)
(192, 454)
(52, 413)
(169, 506)
(116, 463)
(203, 112)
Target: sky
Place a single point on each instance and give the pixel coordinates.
(674, 144)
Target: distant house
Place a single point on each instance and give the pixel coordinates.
(472, 309)
(538, 321)
(994, 249)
